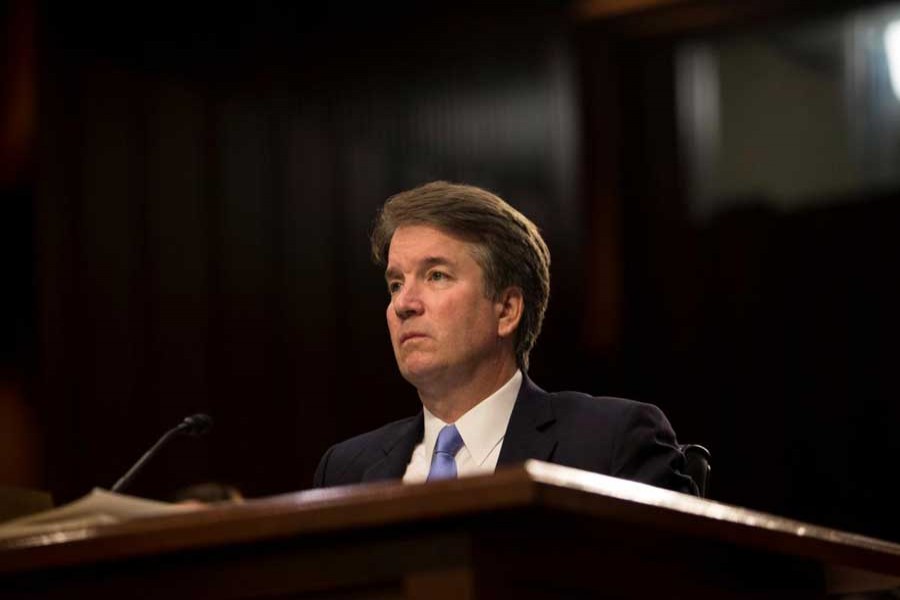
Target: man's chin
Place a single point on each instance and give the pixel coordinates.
(420, 374)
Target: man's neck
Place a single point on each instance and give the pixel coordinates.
(450, 401)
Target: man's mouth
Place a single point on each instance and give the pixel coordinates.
(411, 336)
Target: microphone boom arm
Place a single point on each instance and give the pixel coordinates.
(195, 425)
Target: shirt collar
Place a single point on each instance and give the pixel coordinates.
(483, 426)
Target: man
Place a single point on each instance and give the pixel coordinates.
(469, 279)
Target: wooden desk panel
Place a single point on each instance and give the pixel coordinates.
(537, 531)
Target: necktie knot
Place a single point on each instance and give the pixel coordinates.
(443, 463)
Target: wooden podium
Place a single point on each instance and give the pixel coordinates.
(534, 531)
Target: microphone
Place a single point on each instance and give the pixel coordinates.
(194, 425)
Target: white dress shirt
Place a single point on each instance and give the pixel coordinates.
(482, 429)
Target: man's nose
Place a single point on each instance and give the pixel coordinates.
(407, 301)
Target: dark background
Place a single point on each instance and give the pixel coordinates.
(184, 220)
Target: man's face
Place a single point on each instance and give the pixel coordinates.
(443, 326)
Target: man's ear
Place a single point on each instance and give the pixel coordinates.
(509, 308)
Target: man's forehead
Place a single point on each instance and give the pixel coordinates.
(416, 246)
(424, 231)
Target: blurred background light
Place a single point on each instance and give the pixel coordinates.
(892, 48)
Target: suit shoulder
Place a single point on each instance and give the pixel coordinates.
(601, 406)
(619, 437)
(375, 437)
(347, 461)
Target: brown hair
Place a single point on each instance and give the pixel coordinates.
(508, 246)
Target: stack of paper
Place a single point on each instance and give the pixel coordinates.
(100, 507)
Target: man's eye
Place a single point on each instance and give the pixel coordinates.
(393, 287)
(437, 276)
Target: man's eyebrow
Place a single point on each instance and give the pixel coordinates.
(425, 263)
(391, 273)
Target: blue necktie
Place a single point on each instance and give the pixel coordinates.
(443, 464)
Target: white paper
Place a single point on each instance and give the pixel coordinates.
(99, 507)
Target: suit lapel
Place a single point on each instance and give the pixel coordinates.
(530, 433)
(397, 452)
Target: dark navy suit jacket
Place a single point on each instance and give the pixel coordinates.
(612, 436)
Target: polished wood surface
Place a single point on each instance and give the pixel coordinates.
(540, 529)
